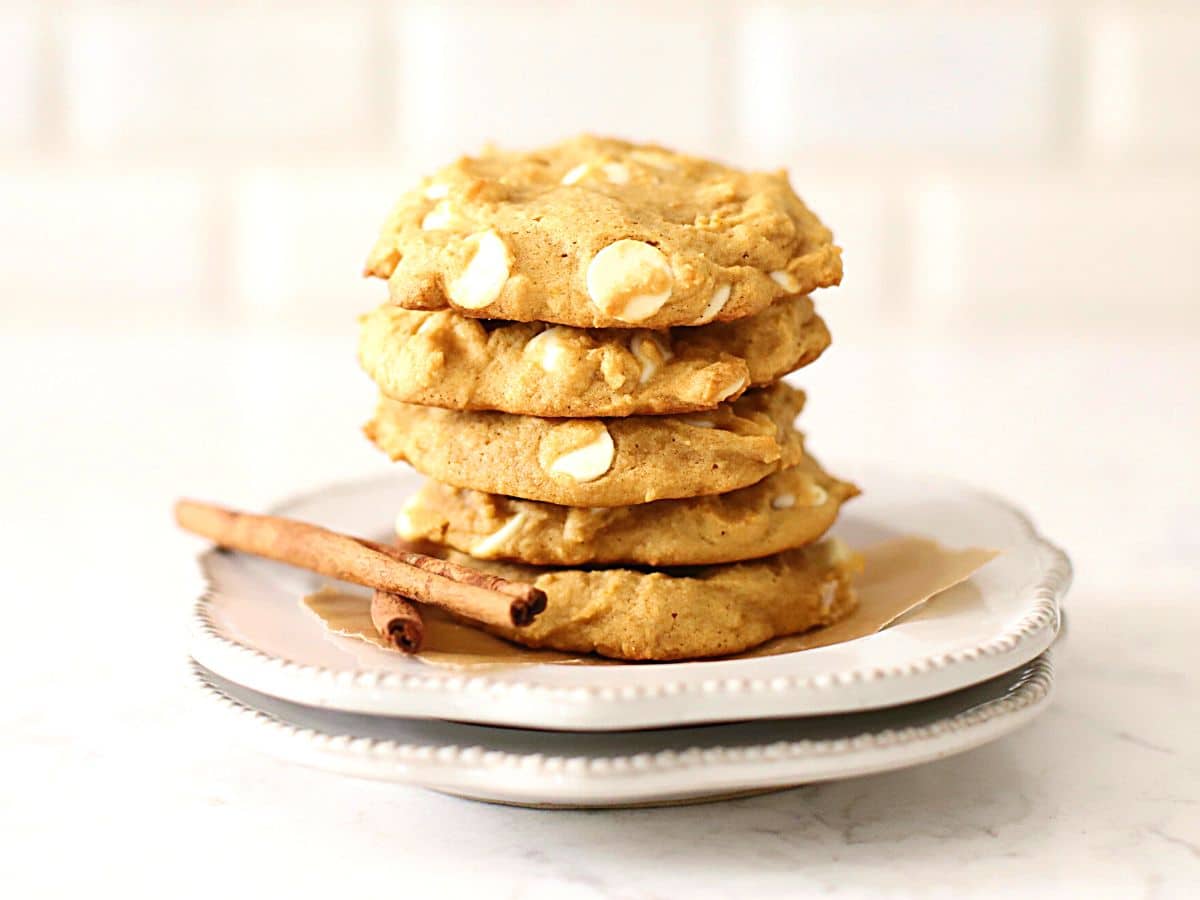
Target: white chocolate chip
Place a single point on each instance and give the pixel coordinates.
(784, 501)
(653, 159)
(589, 462)
(828, 595)
(487, 269)
(490, 546)
(630, 280)
(698, 421)
(742, 384)
(548, 348)
(428, 326)
(437, 191)
(651, 354)
(404, 522)
(716, 303)
(576, 173)
(817, 495)
(786, 280)
(404, 525)
(615, 172)
(437, 219)
(839, 551)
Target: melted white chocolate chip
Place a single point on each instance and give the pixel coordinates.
(839, 551)
(589, 462)
(429, 326)
(828, 595)
(629, 280)
(786, 280)
(576, 173)
(548, 348)
(698, 421)
(716, 303)
(651, 354)
(490, 546)
(817, 495)
(615, 172)
(784, 501)
(652, 158)
(485, 274)
(437, 219)
(741, 384)
(404, 523)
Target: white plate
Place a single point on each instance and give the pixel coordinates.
(676, 765)
(250, 629)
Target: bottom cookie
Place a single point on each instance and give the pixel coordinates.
(690, 613)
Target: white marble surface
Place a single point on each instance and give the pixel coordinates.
(113, 781)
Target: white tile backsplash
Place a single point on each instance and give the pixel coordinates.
(19, 45)
(857, 209)
(896, 78)
(136, 76)
(983, 164)
(107, 251)
(525, 74)
(1142, 81)
(300, 239)
(1058, 251)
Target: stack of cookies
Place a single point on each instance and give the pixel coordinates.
(583, 351)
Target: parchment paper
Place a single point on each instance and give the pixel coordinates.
(900, 575)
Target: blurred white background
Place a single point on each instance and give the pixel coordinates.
(988, 166)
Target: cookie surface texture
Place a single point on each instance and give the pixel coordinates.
(596, 232)
(597, 462)
(788, 509)
(446, 359)
(685, 613)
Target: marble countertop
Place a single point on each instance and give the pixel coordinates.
(114, 781)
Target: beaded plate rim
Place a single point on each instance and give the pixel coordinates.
(545, 779)
(1033, 632)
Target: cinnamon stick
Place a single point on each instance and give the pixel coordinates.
(462, 590)
(452, 570)
(397, 620)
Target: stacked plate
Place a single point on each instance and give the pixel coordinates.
(966, 668)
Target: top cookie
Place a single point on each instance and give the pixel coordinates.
(600, 233)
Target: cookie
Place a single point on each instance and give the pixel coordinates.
(599, 233)
(597, 462)
(788, 509)
(684, 613)
(445, 359)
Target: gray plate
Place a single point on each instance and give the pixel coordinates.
(631, 768)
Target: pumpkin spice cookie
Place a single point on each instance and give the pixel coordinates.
(791, 508)
(445, 359)
(597, 462)
(598, 233)
(684, 613)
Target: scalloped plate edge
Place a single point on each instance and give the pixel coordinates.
(601, 707)
(668, 777)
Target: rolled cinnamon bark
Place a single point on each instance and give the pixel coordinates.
(460, 589)
(455, 571)
(397, 620)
